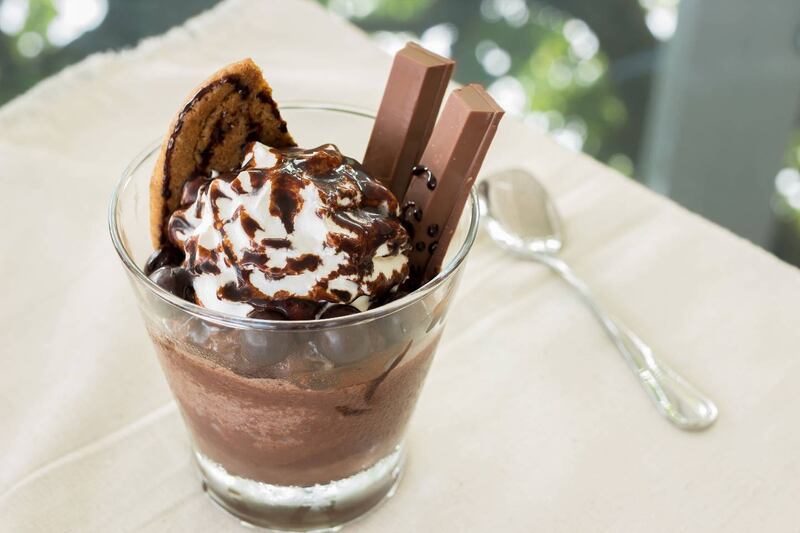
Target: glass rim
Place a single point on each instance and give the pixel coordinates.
(226, 319)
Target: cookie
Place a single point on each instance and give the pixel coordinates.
(229, 110)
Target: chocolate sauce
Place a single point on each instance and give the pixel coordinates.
(304, 262)
(217, 134)
(235, 292)
(252, 258)
(165, 256)
(248, 223)
(351, 198)
(269, 313)
(297, 309)
(419, 170)
(276, 243)
(175, 280)
(423, 171)
(338, 310)
(286, 200)
(191, 188)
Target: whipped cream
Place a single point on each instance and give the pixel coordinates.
(293, 229)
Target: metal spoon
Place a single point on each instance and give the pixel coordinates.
(522, 219)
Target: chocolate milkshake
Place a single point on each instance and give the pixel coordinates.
(296, 297)
(292, 235)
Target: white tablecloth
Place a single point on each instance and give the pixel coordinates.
(529, 421)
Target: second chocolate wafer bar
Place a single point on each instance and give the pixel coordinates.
(440, 186)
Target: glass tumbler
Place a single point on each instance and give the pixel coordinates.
(294, 425)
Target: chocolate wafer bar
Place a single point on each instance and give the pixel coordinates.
(440, 185)
(411, 100)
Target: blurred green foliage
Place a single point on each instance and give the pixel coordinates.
(18, 71)
(591, 103)
(786, 240)
(40, 14)
(126, 22)
(793, 153)
(572, 95)
(401, 9)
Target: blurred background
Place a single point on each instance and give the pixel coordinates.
(697, 99)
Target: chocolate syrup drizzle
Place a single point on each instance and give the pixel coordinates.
(370, 219)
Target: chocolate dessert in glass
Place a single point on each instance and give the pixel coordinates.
(296, 296)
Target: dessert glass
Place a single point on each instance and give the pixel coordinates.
(294, 425)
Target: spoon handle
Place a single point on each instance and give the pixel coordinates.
(674, 397)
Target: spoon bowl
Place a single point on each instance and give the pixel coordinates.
(519, 214)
